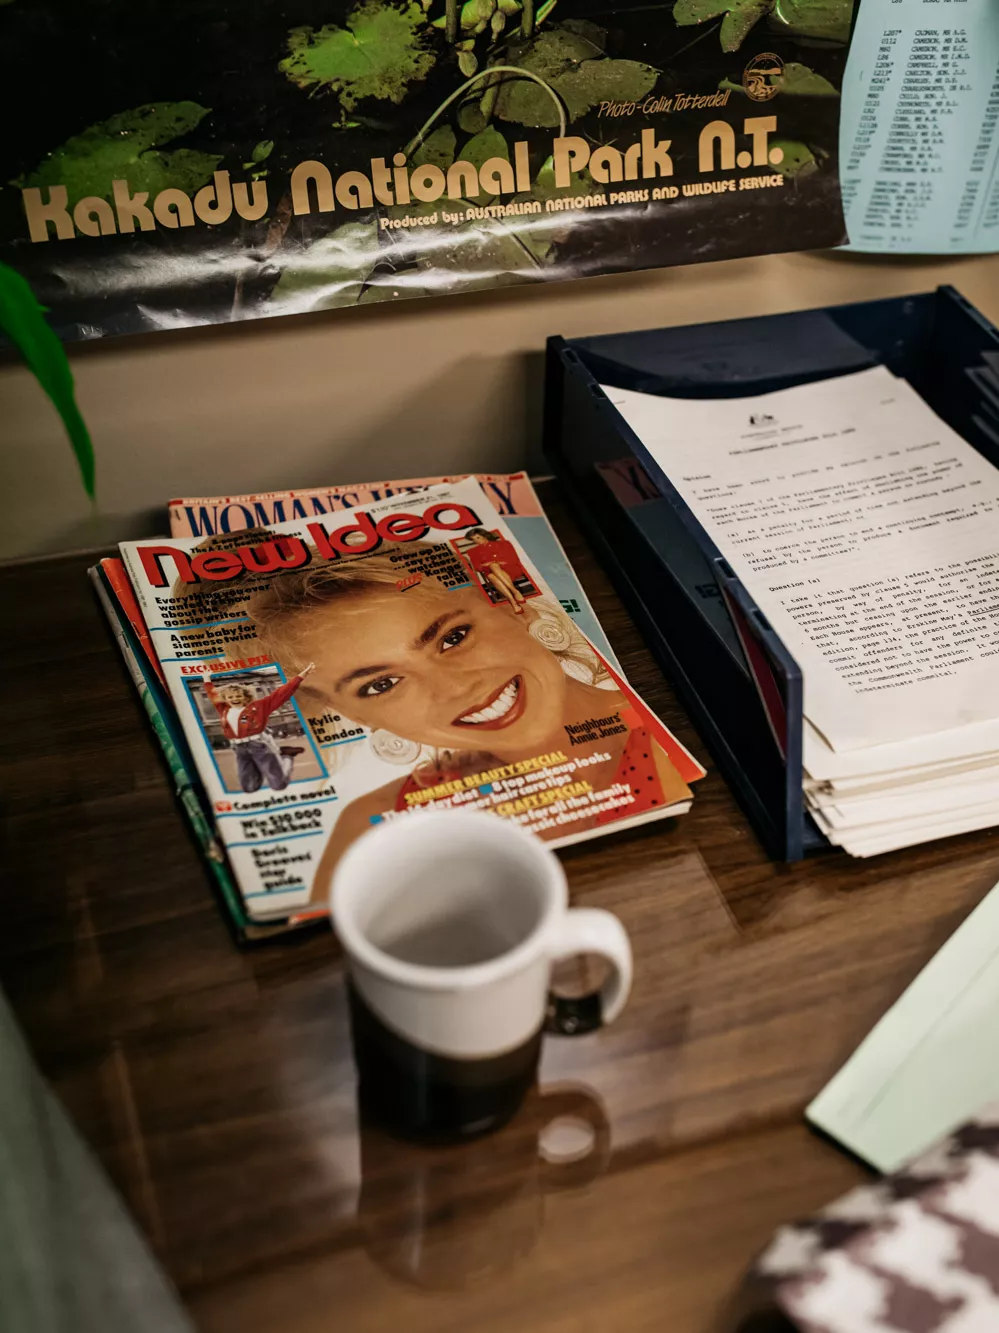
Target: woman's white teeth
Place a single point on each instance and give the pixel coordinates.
(499, 707)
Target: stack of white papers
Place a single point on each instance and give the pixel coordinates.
(867, 531)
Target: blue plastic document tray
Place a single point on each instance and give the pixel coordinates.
(741, 686)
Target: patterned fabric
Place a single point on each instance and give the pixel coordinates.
(917, 1252)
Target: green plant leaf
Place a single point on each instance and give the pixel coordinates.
(581, 182)
(800, 81)
(740, 16)
(573, 63)
(482, 254)
(828, 20)
(22, 319)
(796, 81)
(263, 150)
(470, 117)
(488, 143)
(798, 160)
(475, 15)
(126, 147)
(436, 150)
(331, 272)
(379, 54)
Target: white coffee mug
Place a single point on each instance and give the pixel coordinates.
(451, 922)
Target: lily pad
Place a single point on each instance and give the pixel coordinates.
(580, 182)
(488, 143)
(573, 63)
(589, 32)
(800, 81)
(436, 150)
(740, 17)
(379, 54)
(331, 272)
(828, 20)
(470, 117)
(482, 254)
(126, 147)
(798, 159)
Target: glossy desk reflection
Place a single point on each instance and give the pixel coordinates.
(445, 1218)
(217, 1087)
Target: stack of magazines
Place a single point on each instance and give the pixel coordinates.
(315, 663)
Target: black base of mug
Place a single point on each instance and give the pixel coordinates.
(429, 1098)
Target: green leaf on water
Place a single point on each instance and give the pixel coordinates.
(436, 150)
(488, 143)
(470, 117)
(798, 159)
(580, 183)
(22, 319)
(483, 254)
(127, 147)
(572, 61)
(800, 81)
(740, 17)
(828, 20)
(331, 272)
(379, 54)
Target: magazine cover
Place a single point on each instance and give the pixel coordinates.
(378, 662)
(171, 166)
(117, 600)
(511, 495)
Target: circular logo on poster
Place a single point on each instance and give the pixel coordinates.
(763, 77)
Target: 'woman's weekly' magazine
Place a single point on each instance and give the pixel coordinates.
(371, 664)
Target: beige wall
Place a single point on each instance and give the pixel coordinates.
(417, 387)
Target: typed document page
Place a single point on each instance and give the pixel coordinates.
(868, 533)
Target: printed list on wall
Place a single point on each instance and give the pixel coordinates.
(919, 143)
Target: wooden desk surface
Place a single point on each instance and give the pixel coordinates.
(216, 1084)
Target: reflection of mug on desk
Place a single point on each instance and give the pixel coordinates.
(447, 1217)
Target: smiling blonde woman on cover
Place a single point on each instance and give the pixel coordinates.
(464, 679)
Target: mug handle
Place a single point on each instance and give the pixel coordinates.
(591, 930)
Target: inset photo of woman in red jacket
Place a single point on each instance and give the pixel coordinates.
(497, 566)
(255, 733)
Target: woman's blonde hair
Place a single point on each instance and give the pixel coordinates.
(281, 613)
(226, 693)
